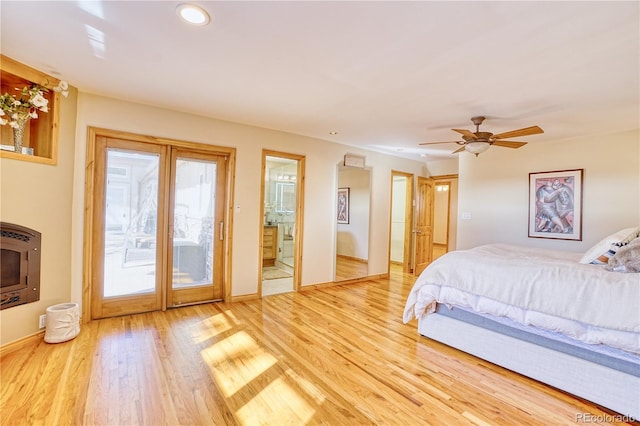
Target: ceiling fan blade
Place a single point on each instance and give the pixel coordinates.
(458, 150)
(433, 143)
(533, 130)
(509, 144)
(466, 133)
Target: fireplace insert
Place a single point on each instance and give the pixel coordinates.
(19, 265)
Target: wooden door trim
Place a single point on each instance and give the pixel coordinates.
(89, 208)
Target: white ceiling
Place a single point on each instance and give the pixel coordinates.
(384, 75)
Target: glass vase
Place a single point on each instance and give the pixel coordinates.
(18, 133)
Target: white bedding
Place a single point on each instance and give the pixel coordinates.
(543, 288)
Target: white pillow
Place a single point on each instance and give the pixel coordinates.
(604, 249)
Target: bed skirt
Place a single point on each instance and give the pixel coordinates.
(615, 388)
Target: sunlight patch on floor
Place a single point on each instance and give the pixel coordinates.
(211, 327)
(236, 361)
(277, 403)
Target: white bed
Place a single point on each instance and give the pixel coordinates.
(540, 313)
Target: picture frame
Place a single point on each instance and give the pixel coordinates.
(555, 204)
(342, 209)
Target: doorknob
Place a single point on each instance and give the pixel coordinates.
(415, 231)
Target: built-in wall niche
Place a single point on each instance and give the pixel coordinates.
(41, 134)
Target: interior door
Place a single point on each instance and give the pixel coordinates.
(423, 229)
(129, 222)
(196, 227)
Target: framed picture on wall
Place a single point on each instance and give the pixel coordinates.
(555, 205)
(343, 205)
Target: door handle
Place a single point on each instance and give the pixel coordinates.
(415, 231)
(221, 231)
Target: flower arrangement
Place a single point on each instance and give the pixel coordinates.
(17, 109)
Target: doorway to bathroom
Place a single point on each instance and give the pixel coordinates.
(282, 212)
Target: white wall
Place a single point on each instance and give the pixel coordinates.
(439, 167)
(321, 181)
(494, 189)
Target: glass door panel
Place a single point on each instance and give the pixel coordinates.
(193, 223)
(197, 211)
(131, 223)
(127, 269)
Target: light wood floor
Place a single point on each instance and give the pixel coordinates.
(337, 356)
(347, 269)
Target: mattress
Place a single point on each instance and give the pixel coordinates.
(600, 354)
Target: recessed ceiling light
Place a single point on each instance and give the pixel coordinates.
(195, 15)
(333, 133)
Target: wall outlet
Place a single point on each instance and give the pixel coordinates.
(42, 321)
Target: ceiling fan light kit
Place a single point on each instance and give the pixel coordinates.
(476, 147)
(478, 142)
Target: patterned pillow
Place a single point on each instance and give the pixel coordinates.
(627, 259)
(606, 248)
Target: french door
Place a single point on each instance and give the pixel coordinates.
(158, 227)
(196, 227)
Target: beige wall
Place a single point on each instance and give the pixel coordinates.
(38, 196)
(494, 189)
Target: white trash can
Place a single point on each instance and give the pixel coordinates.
(62, 322)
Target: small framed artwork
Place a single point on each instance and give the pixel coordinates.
(343, 205)
(555, 204)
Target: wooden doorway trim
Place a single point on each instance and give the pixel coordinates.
(299, 224)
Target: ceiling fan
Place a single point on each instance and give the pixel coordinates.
(478, 142)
